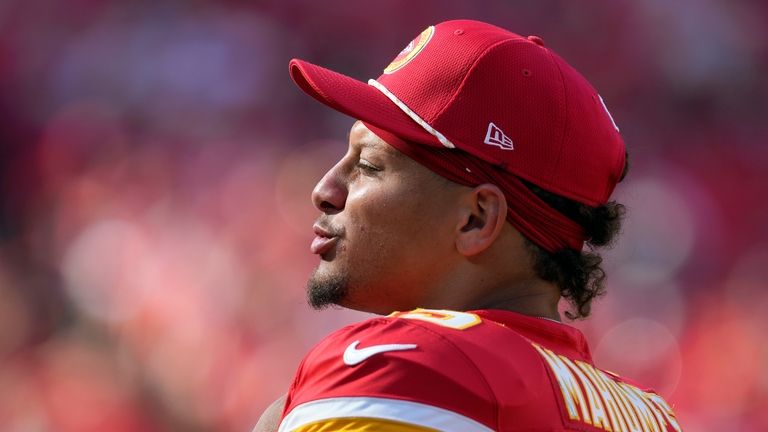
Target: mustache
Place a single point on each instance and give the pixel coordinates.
(325, 223)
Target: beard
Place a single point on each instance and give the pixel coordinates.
(324, 291)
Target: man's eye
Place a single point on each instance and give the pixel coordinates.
(367, 166)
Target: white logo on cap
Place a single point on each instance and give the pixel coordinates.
(497, 137)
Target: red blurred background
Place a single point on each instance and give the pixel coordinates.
(155, 170)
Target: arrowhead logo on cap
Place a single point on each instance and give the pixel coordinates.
(411, 50)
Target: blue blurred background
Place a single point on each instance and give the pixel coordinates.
(155, 170)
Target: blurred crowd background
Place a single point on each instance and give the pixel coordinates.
(155, 170)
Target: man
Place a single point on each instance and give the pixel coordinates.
(479, 166)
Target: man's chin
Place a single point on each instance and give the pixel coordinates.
(326, 290)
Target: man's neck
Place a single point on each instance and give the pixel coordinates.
(528, 296)
(533, 304)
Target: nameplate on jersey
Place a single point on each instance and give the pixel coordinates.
(592, 397)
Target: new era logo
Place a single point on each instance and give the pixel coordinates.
(496, 137)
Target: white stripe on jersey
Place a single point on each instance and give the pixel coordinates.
(380, 408)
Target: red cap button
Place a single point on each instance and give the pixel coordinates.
(537, 40)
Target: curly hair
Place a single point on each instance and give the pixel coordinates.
(579, 274)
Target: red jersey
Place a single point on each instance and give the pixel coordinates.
(486, 370)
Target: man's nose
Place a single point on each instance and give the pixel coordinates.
(330, 193)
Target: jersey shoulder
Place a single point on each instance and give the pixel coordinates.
(425, 340)
(422, 358)
(448, 370)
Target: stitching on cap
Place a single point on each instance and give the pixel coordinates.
(565, 120)
(466, 74)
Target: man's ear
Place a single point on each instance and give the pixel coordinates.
(483, 217)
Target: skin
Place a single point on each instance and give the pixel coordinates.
(408, 238)
(270, 420)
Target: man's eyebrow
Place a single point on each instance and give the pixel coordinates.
(377, 146)
(370, 144)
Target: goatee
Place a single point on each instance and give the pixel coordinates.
(324, 291)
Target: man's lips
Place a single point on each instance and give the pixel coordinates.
(323, 241)
(321, 245)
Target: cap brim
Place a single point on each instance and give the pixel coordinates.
(357, 100)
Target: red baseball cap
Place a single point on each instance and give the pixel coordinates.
(501, 97)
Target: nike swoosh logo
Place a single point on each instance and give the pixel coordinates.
(353, 356)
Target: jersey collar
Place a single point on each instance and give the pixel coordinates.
(558, 337)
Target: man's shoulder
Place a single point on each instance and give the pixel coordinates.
(424, 334)
(455, 362)
(449, 326)
(469, 369)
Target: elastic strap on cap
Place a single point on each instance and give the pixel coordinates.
(380, 87)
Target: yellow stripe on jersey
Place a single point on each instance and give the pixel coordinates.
(369, 413)
(361, 425)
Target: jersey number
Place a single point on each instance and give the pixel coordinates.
(446, 318)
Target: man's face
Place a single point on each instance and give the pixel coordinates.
(385, 237)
